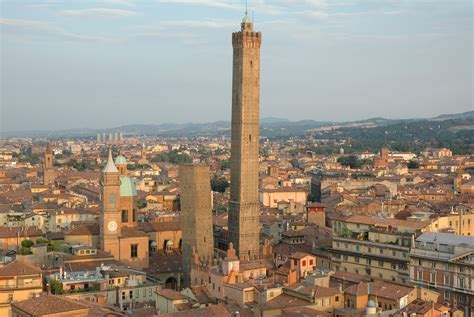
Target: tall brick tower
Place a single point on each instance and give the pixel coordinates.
(48, 171)
(196, 214)
(244, 212)
(110, 214)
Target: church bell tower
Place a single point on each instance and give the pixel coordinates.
(110, 213)
(48, 170)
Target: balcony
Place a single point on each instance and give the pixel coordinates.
(21, 286)
(432, 285)
(373, 244)
(92, 288)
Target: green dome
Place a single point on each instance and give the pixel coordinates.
(120, 160)
(246, 19)
(127, 187)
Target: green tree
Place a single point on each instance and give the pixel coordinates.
(173, 157)
(24, 251)
(219, 184)
(56, 287)
(225, 164)
(352, 161)
(42, 241)
(413, 164)
(26, 243)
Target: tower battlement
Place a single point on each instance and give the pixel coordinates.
(246, 39)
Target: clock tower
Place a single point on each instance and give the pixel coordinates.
(110, 213)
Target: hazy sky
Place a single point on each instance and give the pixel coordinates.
(78, 64)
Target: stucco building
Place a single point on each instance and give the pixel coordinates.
(445, 262)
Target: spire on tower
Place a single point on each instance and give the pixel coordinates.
(246, 18)
(110, 166)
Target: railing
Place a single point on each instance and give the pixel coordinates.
(384, 245)
(94, 288)
(443, 286)
(21, 286)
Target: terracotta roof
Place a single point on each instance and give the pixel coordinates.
(12, 232)
(90, 265)
(132, 233)
(202, 294)
(380, 289)
(159, 226)
(170, 294)
(84, 229)
(285, 249)
(183, 306)
(285, 301)
(319, 291)
(48, 304)
(161, 262)
(303, 311)
(18, 268)
(293, 233)
(420, 307)
(211, 311)
(55, 235)
(107, 310)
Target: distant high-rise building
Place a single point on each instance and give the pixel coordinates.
(49, 173)
(99, 137)
(244, 227)
(196, 213)
(111, 137)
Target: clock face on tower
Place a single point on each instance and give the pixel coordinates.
(112, 226)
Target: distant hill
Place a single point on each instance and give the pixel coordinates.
(464, 115)
(270, 127)
(271, 120)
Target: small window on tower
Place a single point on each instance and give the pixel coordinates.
(251, 64)
(250, 138)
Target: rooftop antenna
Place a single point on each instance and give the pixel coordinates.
(246, 5)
